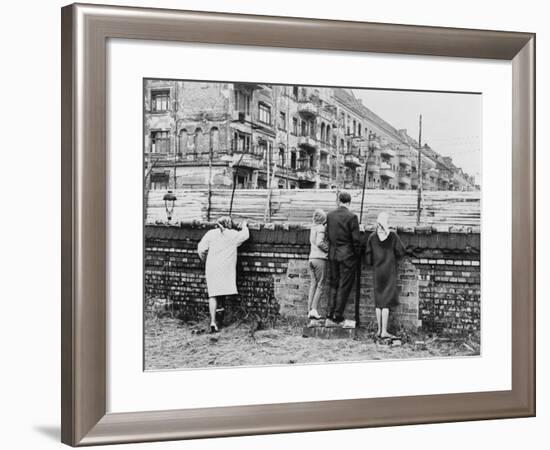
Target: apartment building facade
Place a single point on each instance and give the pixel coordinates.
(255, 135)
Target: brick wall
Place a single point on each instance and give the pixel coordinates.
(439, 284)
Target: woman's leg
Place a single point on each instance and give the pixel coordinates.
(379, 321)
(312, 286)
(320, 266)
(212, 306)
(385, 318)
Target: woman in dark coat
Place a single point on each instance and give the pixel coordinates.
(384, 249)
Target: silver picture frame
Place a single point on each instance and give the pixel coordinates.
(85, 31)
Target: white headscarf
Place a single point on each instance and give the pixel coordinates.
(382, 226)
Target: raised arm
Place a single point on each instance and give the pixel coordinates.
(243, 234)
(399, 248)
(203, 246)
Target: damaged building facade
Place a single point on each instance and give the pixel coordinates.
(200, 134)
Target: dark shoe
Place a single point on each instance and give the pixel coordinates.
(213, 328)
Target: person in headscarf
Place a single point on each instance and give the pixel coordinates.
(383, 250)
(218, 248)
(317, 263)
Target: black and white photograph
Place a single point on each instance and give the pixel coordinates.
(300, 224)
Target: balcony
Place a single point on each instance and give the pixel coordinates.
(405, 177)
(247, 160)
(307, 142)
(308, 109)
(241, 117)
(386, 171)
(373, 165)
(351, 159)
(306, 174)
(324, 147)
(324, 169)
(404, 158)
(387, 152)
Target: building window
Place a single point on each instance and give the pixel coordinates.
(241, 182)
(281, 157)
(282, 121)
(242, 102)
(295, 91)
(215, 138)
(160, 100)
(183, 142)
(241, 142)
(159, 181)
(265, 150)
(304, 128)
(264, 113)
(160, 142)
(295, 125)
(198, 140)
(293, 160)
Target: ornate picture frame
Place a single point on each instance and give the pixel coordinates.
(85, 31)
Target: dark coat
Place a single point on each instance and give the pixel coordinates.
(343, 234)
(383, 255)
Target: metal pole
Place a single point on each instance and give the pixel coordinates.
(235, 169)
(359, 268)
(419, 186)
(209, 179)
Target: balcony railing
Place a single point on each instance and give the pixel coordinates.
(351, 159)
(388, 152)
(307, 141)
(404, 158)
(248, 160)
(307, 108)
(404, 177)
(386, 171)
(373, 165)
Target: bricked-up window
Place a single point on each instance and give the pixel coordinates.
(264, 113)
(160, 100)
(160, 142)
(282, 120)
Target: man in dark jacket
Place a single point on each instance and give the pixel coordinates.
(344, 252)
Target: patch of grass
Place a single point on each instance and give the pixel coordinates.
(173, 344)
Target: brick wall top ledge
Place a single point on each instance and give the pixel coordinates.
(415, 239)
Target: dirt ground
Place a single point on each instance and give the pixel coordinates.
(173, 344)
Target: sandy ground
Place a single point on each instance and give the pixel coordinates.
(173, 344)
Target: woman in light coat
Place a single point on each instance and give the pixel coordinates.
(219, 248)
(317, 263)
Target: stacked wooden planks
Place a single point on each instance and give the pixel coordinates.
(440, 209)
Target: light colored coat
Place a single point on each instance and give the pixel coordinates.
(319, 244)
(220, 249)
